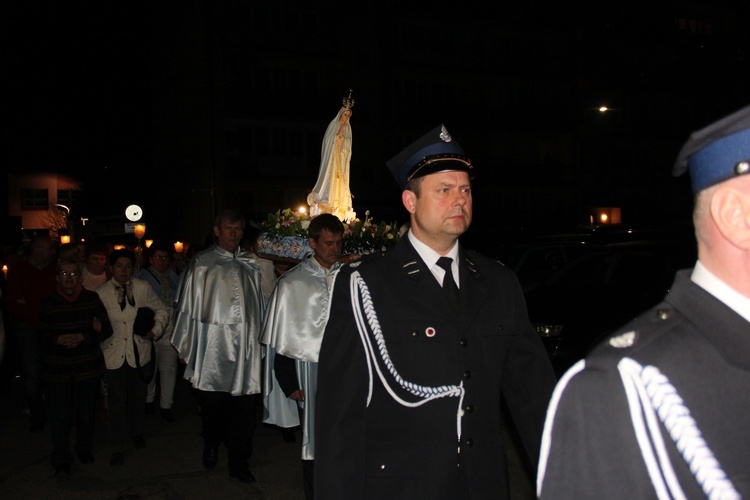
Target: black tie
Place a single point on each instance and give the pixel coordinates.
(449, 284)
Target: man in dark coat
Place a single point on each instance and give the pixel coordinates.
(416, 357)
(660, 409)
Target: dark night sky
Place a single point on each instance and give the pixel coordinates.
(79, 79)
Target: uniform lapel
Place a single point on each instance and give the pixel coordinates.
(471, 292)
(419, 283)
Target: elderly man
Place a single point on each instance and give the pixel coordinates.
(660, 409)
(422, 344)
(217, 326)
(293, 331)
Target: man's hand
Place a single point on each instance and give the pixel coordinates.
(97, 325)
(298, 395)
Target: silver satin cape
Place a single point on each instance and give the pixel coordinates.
(294, 326)
(217, 322)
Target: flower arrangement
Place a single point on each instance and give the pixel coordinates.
(284, 233)
(284, 223)
(366, 236)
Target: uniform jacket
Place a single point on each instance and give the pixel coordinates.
(703, 348)
(387, 450)
(118, 348)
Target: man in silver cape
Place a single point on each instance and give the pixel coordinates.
(217, 323)
(293, 331)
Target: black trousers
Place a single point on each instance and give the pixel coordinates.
(126, 399)
(69, 402)
(231, 420)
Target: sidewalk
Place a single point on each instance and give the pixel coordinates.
(169, 468)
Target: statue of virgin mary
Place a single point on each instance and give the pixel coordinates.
(331, 193)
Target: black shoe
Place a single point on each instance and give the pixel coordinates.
(118, 458)
(242, 475)
(289, 436)
(85, 457)
(36, 427)
(210, 457)
(62, 469)
(150, 408)
(166, 414)
(139, 442)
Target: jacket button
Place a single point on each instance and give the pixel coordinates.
(469, 408)
(414, 333)
(464, 342)
(467, 374)
(469, 442)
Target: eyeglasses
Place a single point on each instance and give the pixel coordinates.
(66, 274)
(161, 257)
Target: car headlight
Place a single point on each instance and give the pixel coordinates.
(548, 330)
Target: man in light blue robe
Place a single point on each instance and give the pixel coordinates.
(293, 330)
(217, 324)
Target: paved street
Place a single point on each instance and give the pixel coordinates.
(169, 468)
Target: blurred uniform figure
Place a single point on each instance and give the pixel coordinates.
(660, 408)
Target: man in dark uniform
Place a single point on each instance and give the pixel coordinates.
(415, 360)
(661, 408)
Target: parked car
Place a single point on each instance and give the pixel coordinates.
(581, 285)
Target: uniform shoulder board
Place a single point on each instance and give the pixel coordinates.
(365, 260)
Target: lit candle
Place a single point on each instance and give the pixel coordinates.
(119, 247)
(178, 246)
(65, 239)
(139, 230)
(149, 243)
(5, 269)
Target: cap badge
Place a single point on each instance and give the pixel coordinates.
(444, 135)
(430, 331)
(622, 341)
(742, 167)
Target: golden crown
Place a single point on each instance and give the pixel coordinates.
(348, 101)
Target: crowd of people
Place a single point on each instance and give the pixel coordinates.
(398, 366)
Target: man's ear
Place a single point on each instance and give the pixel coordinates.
(730, 211)
(409, 199)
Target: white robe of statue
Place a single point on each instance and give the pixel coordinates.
(331, 193)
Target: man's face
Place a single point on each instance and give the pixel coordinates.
(122, 270)
(228, 235)
(442, 212)
(327, 248)
(160, 261)
(96, 262)
(69, 277)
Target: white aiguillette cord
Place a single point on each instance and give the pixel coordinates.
(358, 290)
(651, 395)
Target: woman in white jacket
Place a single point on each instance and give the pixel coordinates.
(126, 391)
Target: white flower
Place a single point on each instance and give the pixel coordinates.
(305, 224)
